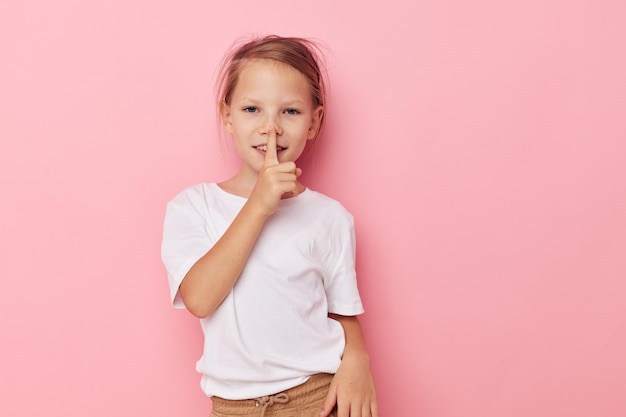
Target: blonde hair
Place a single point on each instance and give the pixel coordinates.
(301, 54)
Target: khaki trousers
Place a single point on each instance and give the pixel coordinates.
(305, 400)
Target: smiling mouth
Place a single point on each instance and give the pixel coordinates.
(264, 148)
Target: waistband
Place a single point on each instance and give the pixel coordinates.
(314, 389)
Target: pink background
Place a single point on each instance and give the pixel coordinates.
(481, 146)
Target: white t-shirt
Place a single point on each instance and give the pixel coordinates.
(272, 331)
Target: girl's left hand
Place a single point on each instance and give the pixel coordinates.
(352, 389)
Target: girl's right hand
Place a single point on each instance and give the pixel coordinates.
(276, 179)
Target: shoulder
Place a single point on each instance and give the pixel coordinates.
(194, 198)
(327, 206)
(194, 193)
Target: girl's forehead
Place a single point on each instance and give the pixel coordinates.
(268, 65)
(261, 74)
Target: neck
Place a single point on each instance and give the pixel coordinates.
(242, 185)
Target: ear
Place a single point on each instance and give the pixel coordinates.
(316, 122)
(226, 117)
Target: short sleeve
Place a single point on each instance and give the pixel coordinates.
(185, 238)
(340, 282)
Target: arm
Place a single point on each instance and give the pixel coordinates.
(212, 277)
(352, 388)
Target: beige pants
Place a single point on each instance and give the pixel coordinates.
(305, 400)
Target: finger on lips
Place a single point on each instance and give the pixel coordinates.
(271, 155)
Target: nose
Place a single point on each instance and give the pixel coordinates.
(270, 124)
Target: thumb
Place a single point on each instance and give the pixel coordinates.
(298, 172)
(330, 402)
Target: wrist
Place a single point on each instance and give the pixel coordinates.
(257, 209)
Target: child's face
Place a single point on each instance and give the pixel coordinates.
(271, 94)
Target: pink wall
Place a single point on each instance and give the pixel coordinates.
(480, 146)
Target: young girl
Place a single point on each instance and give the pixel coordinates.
(266, 263)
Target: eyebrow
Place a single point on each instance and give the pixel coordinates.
(293, 102)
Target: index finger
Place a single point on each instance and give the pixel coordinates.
(271, 155)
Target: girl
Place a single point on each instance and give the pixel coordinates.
(266, 263)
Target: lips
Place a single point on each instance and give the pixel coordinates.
(264, 148)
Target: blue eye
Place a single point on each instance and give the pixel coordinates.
(250, 109)
(292, 111)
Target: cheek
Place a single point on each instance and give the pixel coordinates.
(300, 129)
(240, 129)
